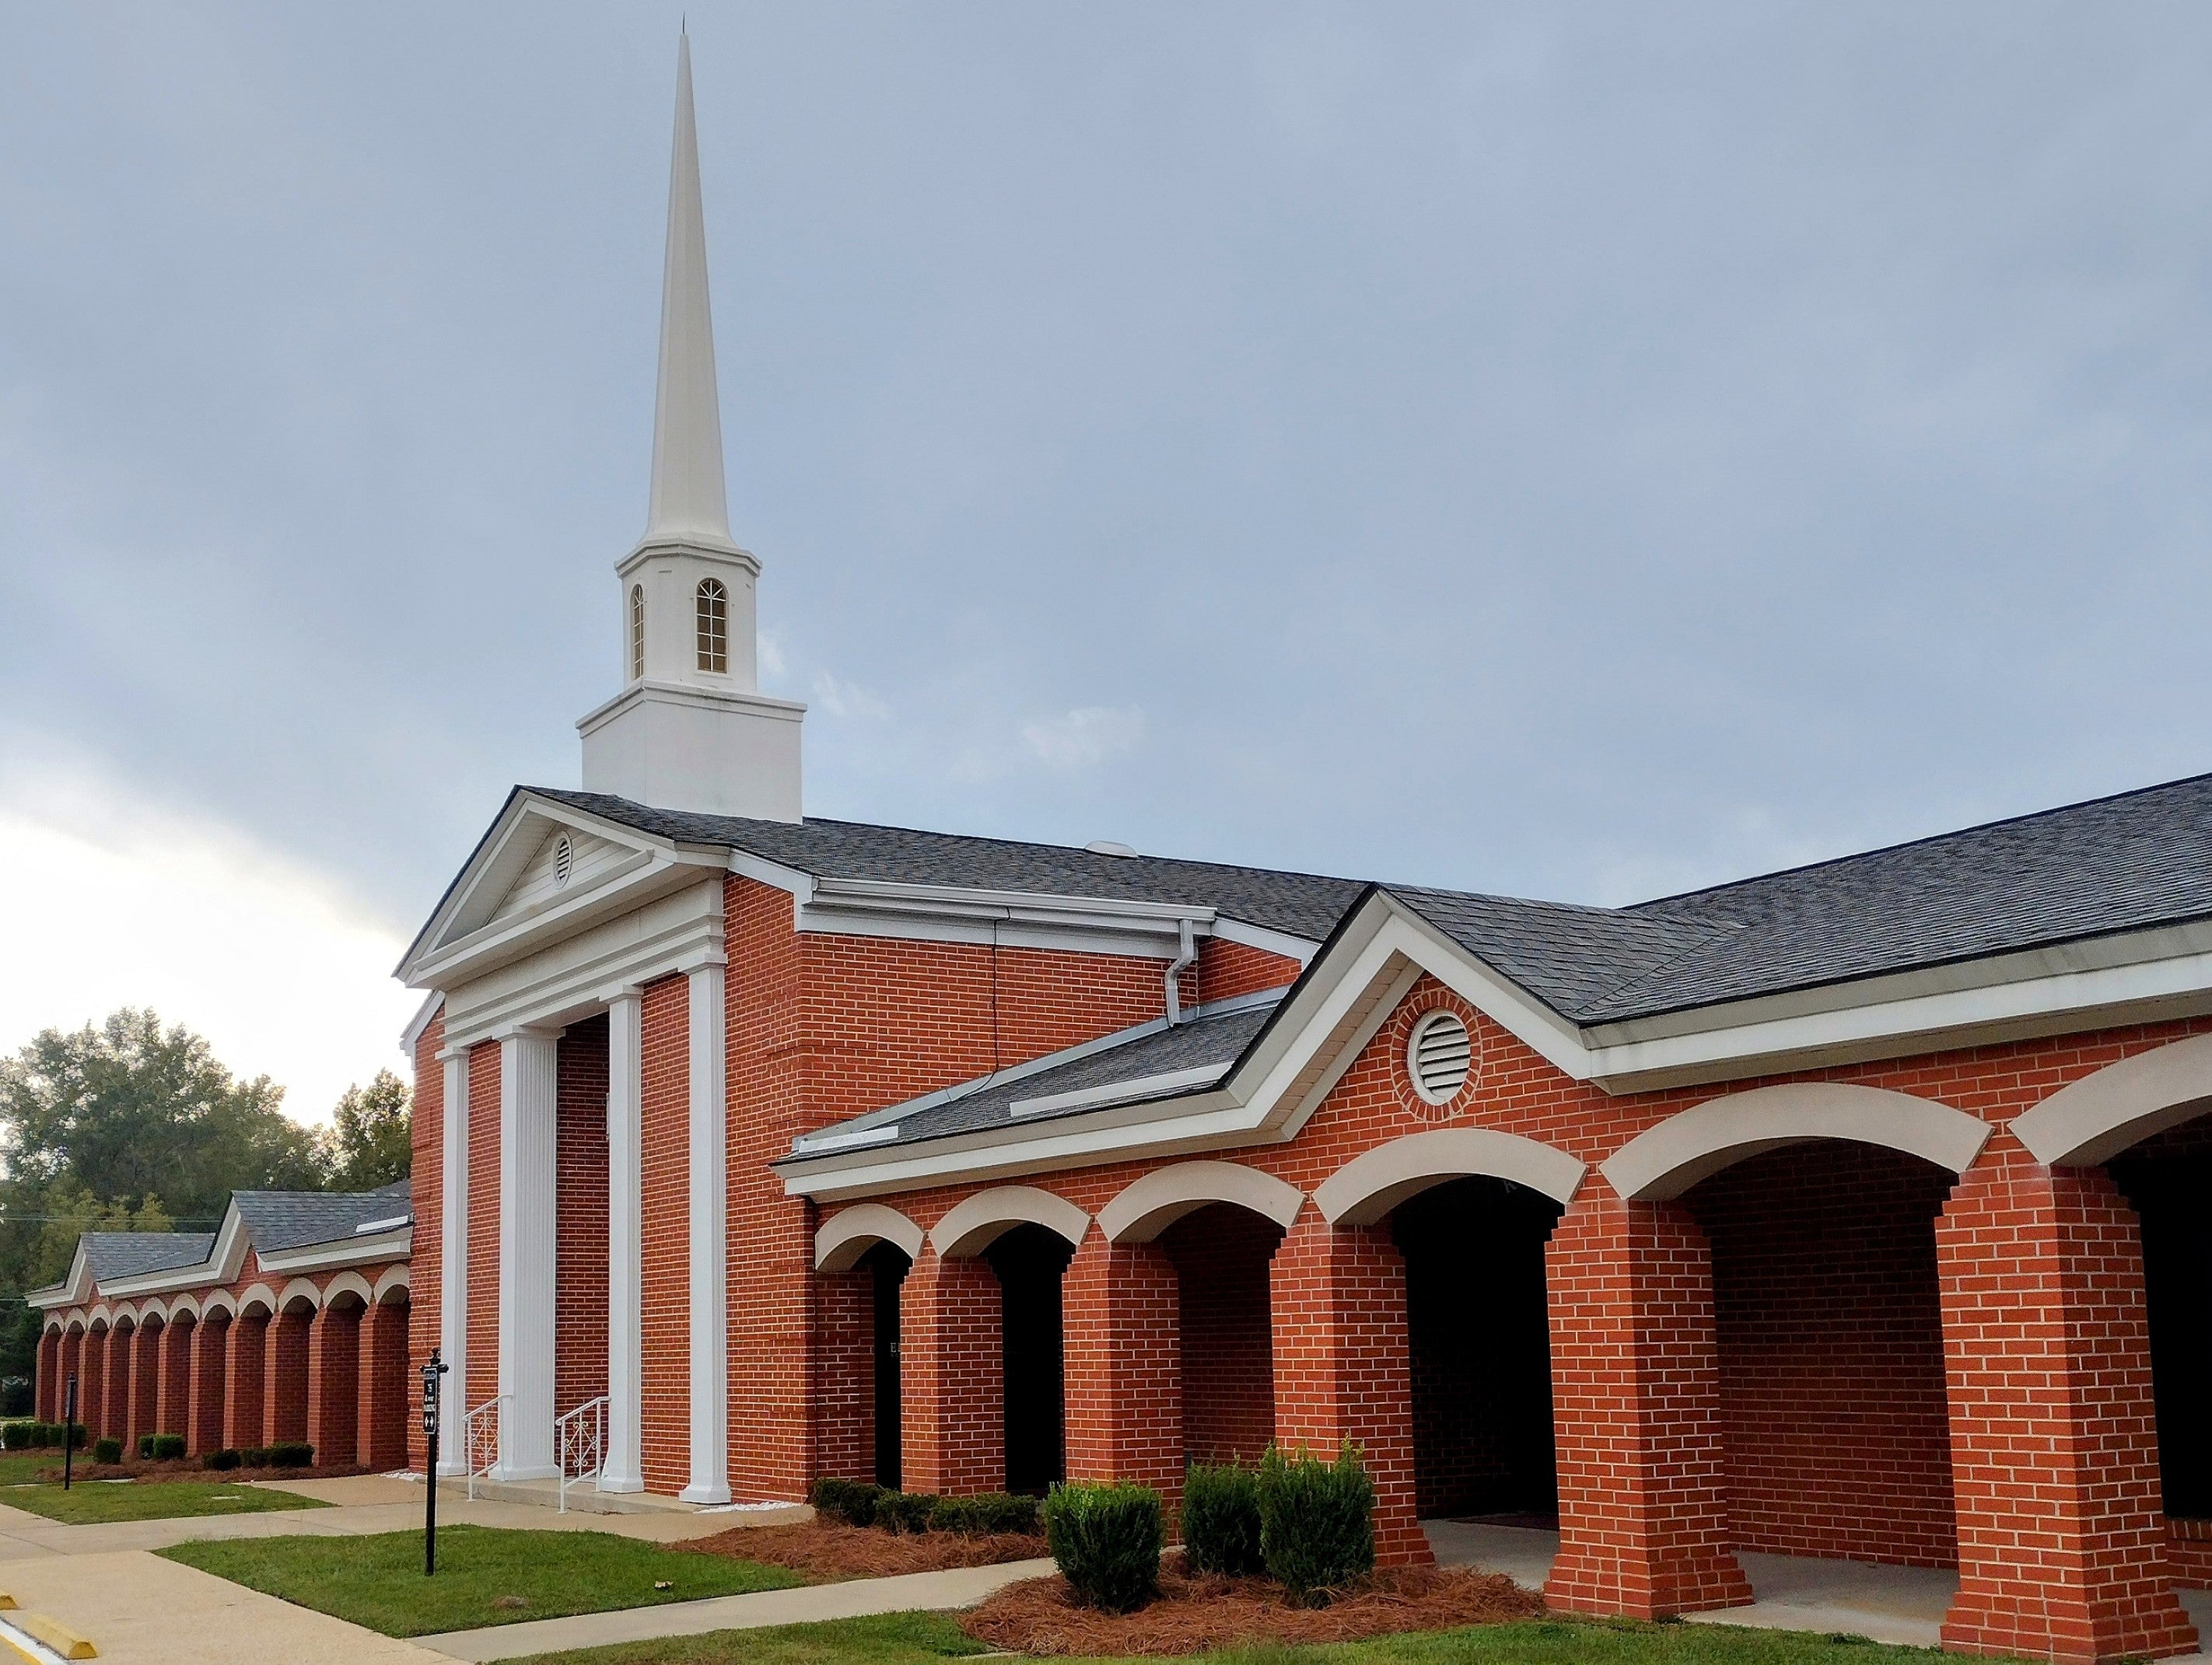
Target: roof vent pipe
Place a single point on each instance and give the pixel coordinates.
(1175, 976)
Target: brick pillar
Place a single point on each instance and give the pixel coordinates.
(284, 1376)
(115, 1415)
(203, 1384)
(381, 1415)
(145, 1382)
(1343, 1368)
(952, 1376)
(843, 1399)
(1636, 1412)
(2054, 1446)
(45, 1405)
(334, 1382)
(92, 1384)
(172, 1406)
(1123, 1335)
(243, 1365)
(72, 1363)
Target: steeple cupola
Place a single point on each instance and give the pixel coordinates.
(690, 729)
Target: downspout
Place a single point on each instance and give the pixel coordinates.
(1175, 969)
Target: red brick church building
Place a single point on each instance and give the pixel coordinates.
(1847, 1212)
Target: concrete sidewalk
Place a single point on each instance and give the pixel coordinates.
(962, 1586)
(362, 1505)
(138, 1609)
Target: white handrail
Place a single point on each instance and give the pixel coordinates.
(480, 1432)
(579, 1446)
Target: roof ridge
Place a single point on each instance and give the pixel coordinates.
(1918, 843)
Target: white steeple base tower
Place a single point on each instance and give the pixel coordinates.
(691, 729)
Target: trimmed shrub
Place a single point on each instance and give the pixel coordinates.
(1106, 1540)
(223, 1461)
(145, 1447)
(853, 1502)
(168, 1447)
(18, 1435)
(254, 1456)
(1221, 1519)
(905, 1511)
(292, 1454)
(107, 1450)
(1001, 1511)
(1316, 1522)
(78, 1435)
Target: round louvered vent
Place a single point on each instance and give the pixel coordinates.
(1437, 1056)
(564, 860)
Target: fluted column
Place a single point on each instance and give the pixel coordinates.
(625, 1470)
(709, 1200)
(529, 1079)
(453, 1263)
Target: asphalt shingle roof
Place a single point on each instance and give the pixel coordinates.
(278, 1220)
(2114, 864)
(114, 1255)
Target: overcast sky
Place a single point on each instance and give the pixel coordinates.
(1581, 452)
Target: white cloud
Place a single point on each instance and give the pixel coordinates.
(773, 662)
(1086, 737)
(108, 900)
(845, 699)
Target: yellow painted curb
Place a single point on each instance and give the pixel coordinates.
(56, 1635)
(6, 1602)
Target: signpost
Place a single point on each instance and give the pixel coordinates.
(68, 1428)
(431, 1371)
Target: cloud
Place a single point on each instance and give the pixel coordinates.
(119, 901)
(845, 699)
(1086, 737)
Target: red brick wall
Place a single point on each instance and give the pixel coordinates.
(427, 1141)
(1226, 970)
(1830, 1345)
(844, 1393)
(665, 1265)
(579, 1273)
(484, 1224)
(1225, 1335)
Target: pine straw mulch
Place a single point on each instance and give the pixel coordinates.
(1197, 1614)
(828, 1550)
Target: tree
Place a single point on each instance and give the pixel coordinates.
(371, 1138)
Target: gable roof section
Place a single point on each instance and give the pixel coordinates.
(277, 1221)
(114, 1254)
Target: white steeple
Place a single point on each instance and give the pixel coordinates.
(688, 499)
(690, 730)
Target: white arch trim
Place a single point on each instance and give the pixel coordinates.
(1147, 1206)
(1667, 1160)
(261, 1294)
(55, 1325)
(851, 1232)
(99, 1315)
(125, 1314)
(220, 1301)
(300, 1289)
(152, 1307)
(182, 1306)
(394, 1278)
(972, 1227)
(1369, 1186)
(2101, 1114)
(346, 1283)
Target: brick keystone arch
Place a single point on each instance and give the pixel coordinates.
(972, 1227)
(851, 1232)
(1369, 1186)
(1148, 1206)
(2102, 1115)
(1665, 1161)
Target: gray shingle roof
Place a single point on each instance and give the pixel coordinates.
(1302, 904)
(115, 1254)
(279, 1220)
(1217, 1039)
(2114, 864)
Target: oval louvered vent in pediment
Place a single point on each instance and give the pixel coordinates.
(1438, 1054)
(564, 860)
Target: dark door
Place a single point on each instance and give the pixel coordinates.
(889, 1267)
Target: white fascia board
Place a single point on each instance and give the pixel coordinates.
(47, 1299)
(944, 913)
(412, 1035)
(346, 1251)
(455, 950)
(157, 1283)
(1301, 949)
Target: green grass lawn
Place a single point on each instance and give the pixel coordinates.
(919, 1639)
(378, 1581)
(23, 1484)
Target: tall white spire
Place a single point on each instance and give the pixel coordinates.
(688, 502)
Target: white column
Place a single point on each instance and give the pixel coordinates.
(710, 1339)
(625, 1467)
(529, 1073)
(453, 1263)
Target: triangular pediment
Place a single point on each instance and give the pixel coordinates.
(544, 869)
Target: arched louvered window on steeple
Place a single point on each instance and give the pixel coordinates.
(637, 633)
(714, 611)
